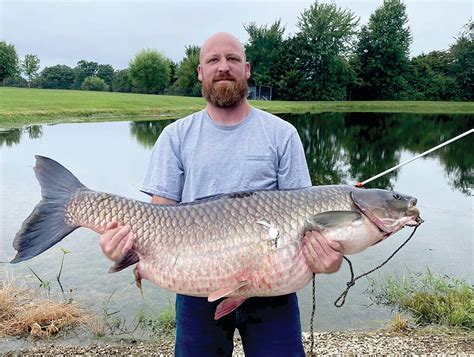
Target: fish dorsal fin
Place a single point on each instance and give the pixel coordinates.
(333, 219)
(216, 295)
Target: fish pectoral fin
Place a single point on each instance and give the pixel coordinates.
(333, 219)
(131, 257)
(216, 295)
(227, 306)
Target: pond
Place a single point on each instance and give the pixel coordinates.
(340, 148)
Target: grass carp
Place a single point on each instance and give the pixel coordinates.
(233, 246)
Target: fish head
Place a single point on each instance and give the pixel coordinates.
(390, 211)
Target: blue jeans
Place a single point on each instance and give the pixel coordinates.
(268, 326)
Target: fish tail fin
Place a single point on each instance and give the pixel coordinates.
(47, 224)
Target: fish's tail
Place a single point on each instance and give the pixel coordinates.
(47, 224)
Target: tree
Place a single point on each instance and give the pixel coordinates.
(429, 77)
(122, 81)
(173, 67)
(94, 84)
(264, 52)
(322, 47)
(382, 53)
(30, 66)
(462, 67)
(149, 71)
(187, 82)
(58, 77)
(85, 69)
(8, 60)
(105, 72)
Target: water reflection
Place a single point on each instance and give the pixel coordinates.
(343, 147)
(13, 136)
(146, 132)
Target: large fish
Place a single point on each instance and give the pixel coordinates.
(234, 246)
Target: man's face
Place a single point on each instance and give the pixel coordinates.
(223, 72)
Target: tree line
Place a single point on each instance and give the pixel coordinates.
(329, 57)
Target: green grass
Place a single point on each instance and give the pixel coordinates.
(163, 325)
(21, 106)
(429, 298)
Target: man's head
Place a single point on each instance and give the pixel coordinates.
(223, 70)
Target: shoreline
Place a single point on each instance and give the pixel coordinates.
(383, 342)
(23, 106)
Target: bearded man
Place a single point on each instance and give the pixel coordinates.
(229, 147)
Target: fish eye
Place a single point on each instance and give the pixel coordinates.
(397, 196)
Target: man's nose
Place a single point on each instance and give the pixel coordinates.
(223, 65)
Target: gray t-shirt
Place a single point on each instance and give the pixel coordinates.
(194, 157)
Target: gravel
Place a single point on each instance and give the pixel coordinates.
(341, 343)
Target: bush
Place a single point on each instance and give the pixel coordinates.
(94, 83)
(15, 81)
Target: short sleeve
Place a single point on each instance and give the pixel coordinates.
(164, 176)
(293, 169)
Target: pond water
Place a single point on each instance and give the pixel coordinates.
(340, 148)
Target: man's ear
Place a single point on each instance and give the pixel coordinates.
(199, 70)
(247, 70)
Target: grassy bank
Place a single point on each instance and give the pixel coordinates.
(429, 298)
(20, 106)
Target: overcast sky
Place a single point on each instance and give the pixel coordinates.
(112, 32)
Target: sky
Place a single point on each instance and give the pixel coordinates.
(112, 32)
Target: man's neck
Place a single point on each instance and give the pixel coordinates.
(229, 116)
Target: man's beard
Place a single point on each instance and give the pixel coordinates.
(225, 95)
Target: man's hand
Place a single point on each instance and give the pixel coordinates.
(322, 255)
(116, 241)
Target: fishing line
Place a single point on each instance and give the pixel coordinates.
(311, 323)
(342, 299)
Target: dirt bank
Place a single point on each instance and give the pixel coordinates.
(346, 343)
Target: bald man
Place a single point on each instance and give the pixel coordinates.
(229, 147)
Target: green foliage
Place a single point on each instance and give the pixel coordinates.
(320, 52)
(122, 81)
(429, 298)
(382, 53)
(15, 81)
(106, 73)
(173, 67)
(187, 82)
(94, 83)
(84, 69)
(264, 51)
(58, 77)
(164, 325)
(30, 66)
(8, 61)
(462, 67)
(150, 71)
(429, 77)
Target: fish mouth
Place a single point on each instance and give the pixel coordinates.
(387, 220)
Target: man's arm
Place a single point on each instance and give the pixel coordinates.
(118, 238)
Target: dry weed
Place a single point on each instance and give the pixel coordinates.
(23, 312)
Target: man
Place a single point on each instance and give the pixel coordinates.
(229, 147)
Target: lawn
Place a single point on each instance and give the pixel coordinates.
(21, 106)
